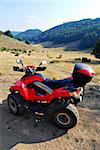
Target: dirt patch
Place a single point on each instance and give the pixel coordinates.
(28, 128)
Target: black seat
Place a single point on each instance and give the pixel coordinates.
(54, 84)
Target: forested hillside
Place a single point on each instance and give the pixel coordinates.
(86, 30)
(15, 33)
(29, 35)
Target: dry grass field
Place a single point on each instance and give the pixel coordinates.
(23, 132)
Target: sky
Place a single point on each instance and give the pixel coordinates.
(20, 15)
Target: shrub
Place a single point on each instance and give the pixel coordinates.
(84, 59)
(49, 56)
(17, 54)
(60, 56)
(54, 61)
(25, 51)
(4, 49)
(12, 52)
(29, 51)
(77, 58)
(27, 42)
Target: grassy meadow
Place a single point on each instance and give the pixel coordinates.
(60, 62)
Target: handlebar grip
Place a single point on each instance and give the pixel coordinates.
(40, 68)
(21, 69)
(16, 68)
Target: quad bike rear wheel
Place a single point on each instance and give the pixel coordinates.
(15, 103)
(65, 117)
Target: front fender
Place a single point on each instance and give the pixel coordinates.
(21, 88)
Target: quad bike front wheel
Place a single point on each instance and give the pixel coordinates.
(65, 117)
(15, 103)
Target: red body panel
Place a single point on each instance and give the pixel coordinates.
(30, 94)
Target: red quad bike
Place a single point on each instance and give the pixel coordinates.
(58, 97)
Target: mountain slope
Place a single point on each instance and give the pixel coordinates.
(86, 30)
(15, 33)
(30, 35)
(11, 43)
(1, 32)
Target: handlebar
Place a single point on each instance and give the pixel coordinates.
(28, 69)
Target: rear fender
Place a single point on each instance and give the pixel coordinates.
(74, 110)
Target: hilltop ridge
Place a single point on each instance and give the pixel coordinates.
(85, 30)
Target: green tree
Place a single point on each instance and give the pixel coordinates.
(8, 33)
(96, 50)
(27, 42)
